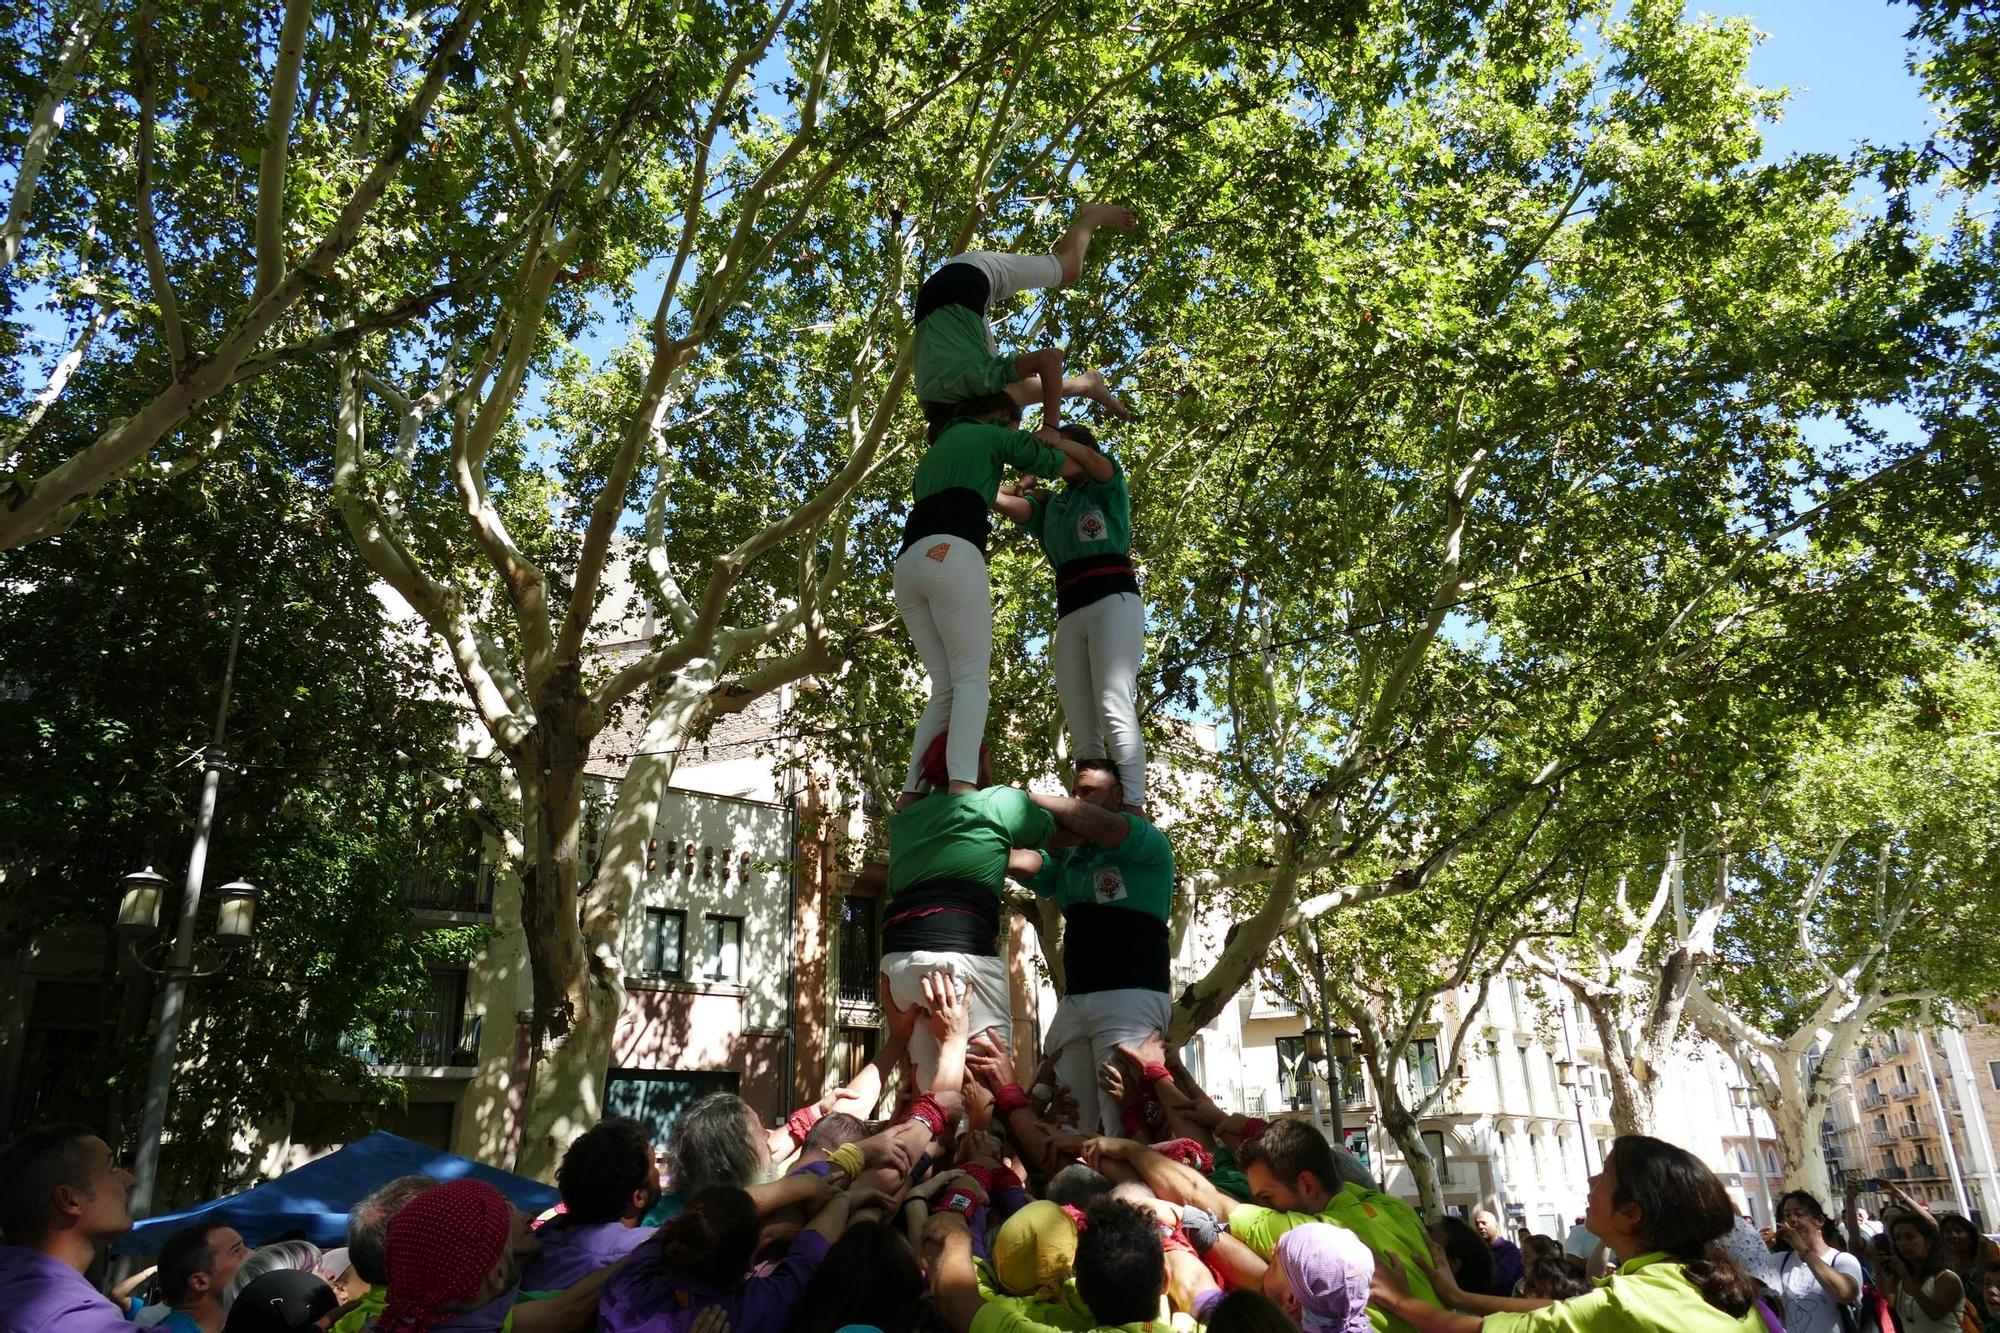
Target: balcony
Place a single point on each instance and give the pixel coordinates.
(1874, 1101)
(1910, 1131)
(1904, 1092)
(1894, 1173)
(1879, 1137)
(1865, 1059)
(442, 1036)
(459, 894)
(1894, 1047)
(1926, 1171)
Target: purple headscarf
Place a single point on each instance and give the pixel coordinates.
(1329, 1270)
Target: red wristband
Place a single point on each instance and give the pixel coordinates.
(800, 1122)
(1253, 1126)
(1010, 1099)
(1158, 1072)
(960, 1200)
(1188, 1153)
(927, 1112)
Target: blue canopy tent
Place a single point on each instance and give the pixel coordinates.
(313, 1200)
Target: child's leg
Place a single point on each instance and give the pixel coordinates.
(1028, 390)
(961, 606)
(1075, 244)
(912, 599)
(1117, 643)
(1075, 685)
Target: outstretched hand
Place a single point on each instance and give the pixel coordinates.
(1148, 1051)
(987, 1062)
(1391, 1282)
(712, 1319)
(950, 1017)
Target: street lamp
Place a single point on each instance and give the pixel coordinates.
(1745, 1101)
(1339, 1044)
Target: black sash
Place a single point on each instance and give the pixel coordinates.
(944, 916)
(956, 511)
(1114, 948)
(1092, 578)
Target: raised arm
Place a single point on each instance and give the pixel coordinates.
(1084, 821)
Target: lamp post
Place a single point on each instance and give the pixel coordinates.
(1740, 1095)
(1328, 1052)
(139, 915)
(1569, 1076)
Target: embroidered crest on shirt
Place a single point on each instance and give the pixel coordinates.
(1109, 884)
(1090, 526)
(938, 552)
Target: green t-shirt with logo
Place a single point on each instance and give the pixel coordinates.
(1384, 1223)
(1084, 518)
(963, 837)
(1137, 874)
(1649, 1294)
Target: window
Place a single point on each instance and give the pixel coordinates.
(1993, 1072)
(1923, 1158)
(725, 948)
(1434, 1145)
(1294, 1076)
(1424, 1063)
(1881, 1124)
(662, 951)
(1528, 1079)
(853, 1049)
(859, 950)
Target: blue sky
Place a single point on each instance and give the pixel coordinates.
(1846, 64)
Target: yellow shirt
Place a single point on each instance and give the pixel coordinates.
(1384, 1223)
(1650, 1294)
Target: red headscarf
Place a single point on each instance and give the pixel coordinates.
(934, 766)
(441, 1247)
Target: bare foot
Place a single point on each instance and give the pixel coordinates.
(1097, 391)
(1111, 217)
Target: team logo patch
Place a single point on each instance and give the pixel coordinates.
(1109, 884)
(1090, 526)
(938, 552)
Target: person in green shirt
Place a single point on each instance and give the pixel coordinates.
(1652, 1200)
(1085, 530)
(1124, 1277)
(940, 576)
(1116, 892)
(955, 353)
(1296, 1177)
(950, 853)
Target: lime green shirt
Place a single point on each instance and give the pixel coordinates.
(1650, 1294)
(1137, 874)
(972, 454)
(1084, 518)
(956, 360)
(1384, 1223)
(963, 837)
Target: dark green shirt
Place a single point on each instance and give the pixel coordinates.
(1137, 874)
(955, 357)
(1084, 518)
(967, 838)
(973, 454)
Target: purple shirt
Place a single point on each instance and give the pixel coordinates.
(1508, 1266)
(644, 1297)
(41, 1294)
(572, 1253)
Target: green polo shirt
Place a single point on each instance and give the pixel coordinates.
(963, 837)
(1137, 874)
(1084, 518)
(973, 454)
(1384, 1223)
(1650, 1294)
(955, 357)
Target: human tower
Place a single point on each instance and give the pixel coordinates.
(956, 836)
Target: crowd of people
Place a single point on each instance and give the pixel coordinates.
(982, 1206)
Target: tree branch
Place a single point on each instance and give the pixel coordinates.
(271, 166)
(145, 47)
(46, 124)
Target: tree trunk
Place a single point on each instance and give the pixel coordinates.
(1403, 1128)
(1243, 951)
(1634, 1079)
(566, 1085)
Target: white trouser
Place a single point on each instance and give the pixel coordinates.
(947, 606)
(1097, 652)
(1008, 275)
(1085, 1030)
(985, 980)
